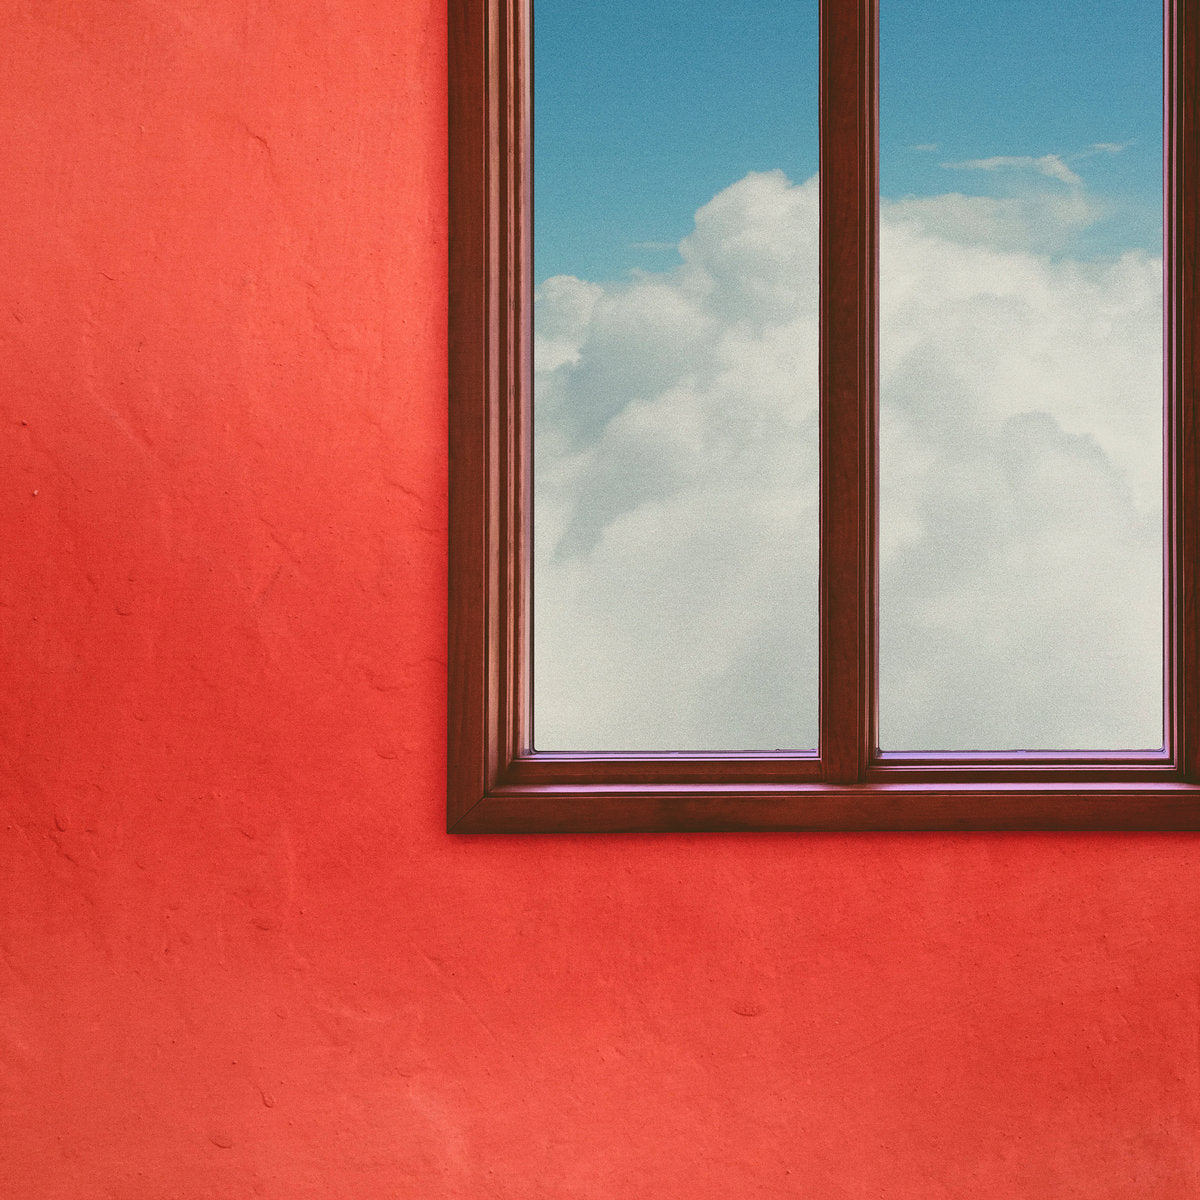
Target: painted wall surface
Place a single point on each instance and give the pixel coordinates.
(238, 955)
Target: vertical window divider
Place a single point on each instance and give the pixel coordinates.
(1182, 377)
(849, 275)
(518, 444)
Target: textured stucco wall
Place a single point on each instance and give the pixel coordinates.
(238, 955)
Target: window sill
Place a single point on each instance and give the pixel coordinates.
(675, 807)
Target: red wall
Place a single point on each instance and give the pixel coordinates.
(238, 955)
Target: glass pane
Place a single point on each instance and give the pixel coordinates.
(1021, 586)
(675, 394)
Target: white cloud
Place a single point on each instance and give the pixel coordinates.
(563, 308)
(1041, 221)
(1050, 165)
(676, 493)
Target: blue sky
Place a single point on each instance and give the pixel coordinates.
(644, 111)
(676, 475)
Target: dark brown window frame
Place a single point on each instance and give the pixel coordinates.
(496, 783)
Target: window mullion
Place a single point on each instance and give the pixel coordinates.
(849, 271)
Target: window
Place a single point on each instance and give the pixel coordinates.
(496, 781)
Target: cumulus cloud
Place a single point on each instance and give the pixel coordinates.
(675, 576)
(1021, 571)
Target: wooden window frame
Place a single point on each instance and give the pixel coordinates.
(496, 784)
